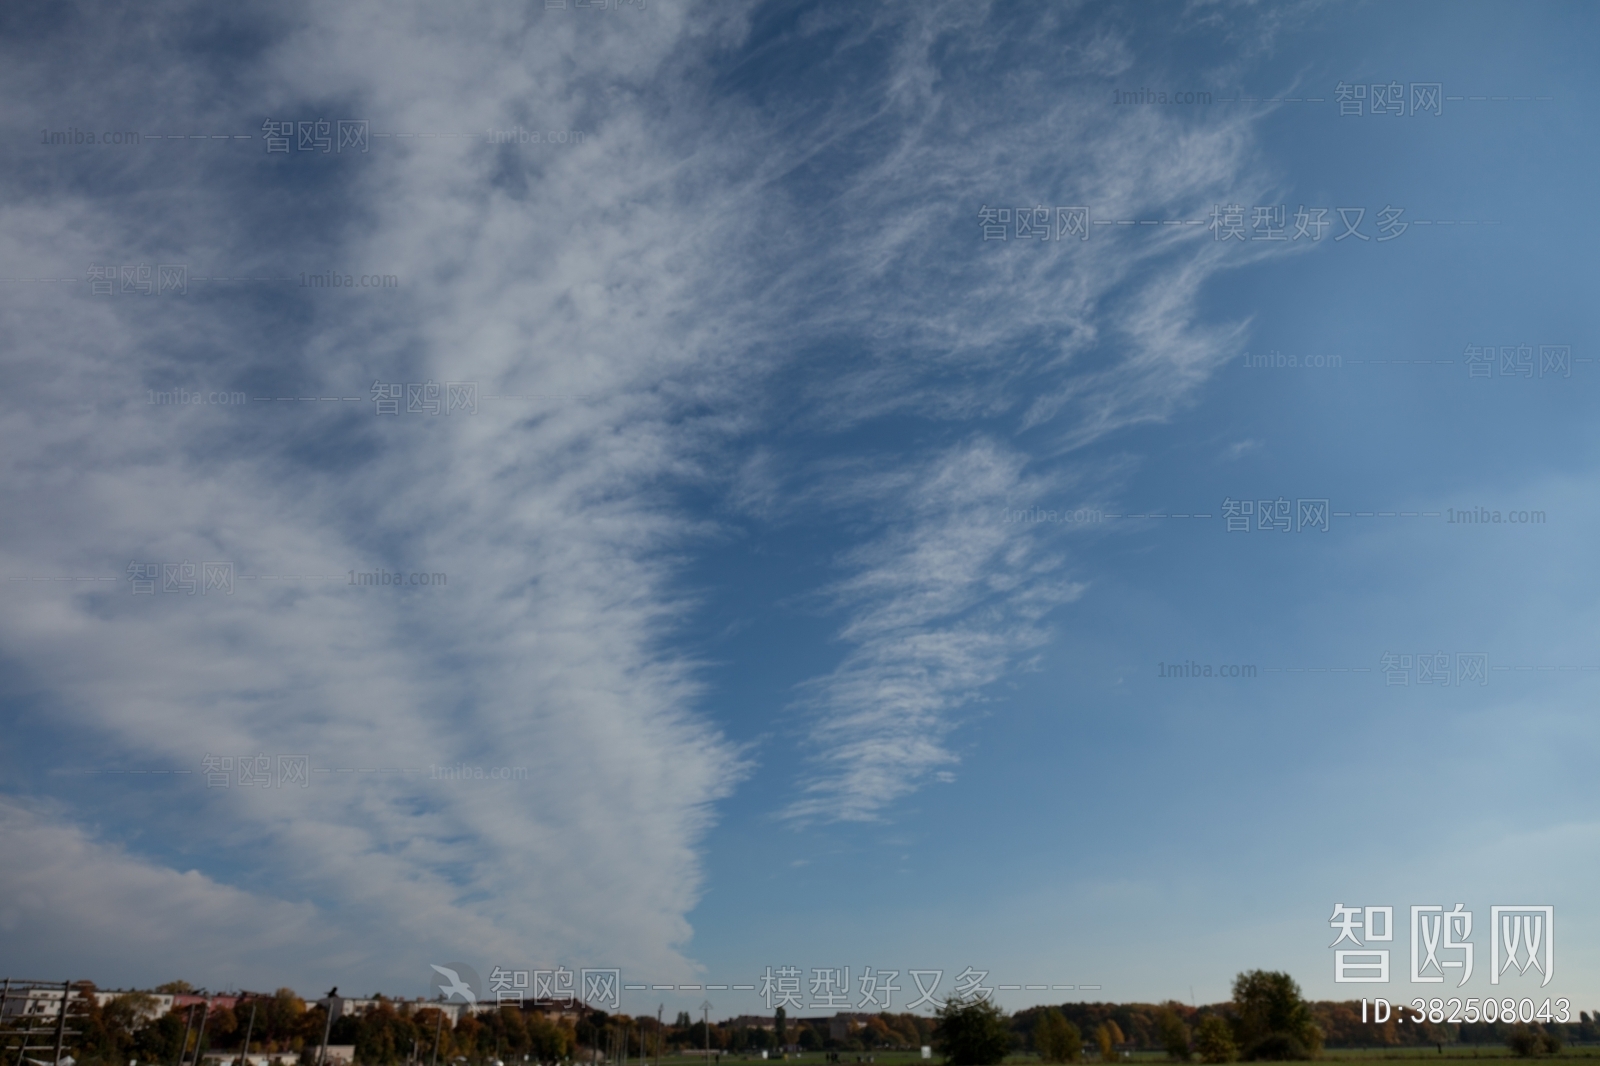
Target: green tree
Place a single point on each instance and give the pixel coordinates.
(384, 1037)
(1528, 1041)
(972, 1032)
(1056, 1039)
(159, 1041)
(548, 1040)
(112, 1031)
(1274, 1020)
(1174, 1035)
(1213, 1039)
(780, 1028)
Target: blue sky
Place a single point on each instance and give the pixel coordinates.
(736, 577)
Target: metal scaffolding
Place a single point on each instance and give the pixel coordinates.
(23, 1034)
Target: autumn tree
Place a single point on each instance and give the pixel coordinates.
(1056, 1039)
(1107, 1036)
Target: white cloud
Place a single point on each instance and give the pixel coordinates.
(544, 650)
(127, 913)
(940, 605)
(1066, 341)
(664, 269)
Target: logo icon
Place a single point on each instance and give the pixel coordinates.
(455, 979)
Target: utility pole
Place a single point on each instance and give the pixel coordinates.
(244, 1057)
(202, 1035)
(188, 1025)
(659, 1034)
(438, 1028)
(705, 1020)
(327, 1027)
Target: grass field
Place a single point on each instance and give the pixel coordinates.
(1452, 1053)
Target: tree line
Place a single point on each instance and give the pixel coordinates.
(1267, 1019)
(283, 1025)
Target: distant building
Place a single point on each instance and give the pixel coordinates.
(555, 1010)
(450, 1009)
(754, 1021)
(46, 1002)
(411, 1006)
(346, 1006)
(160, 1002)
(33, 1003)
(352, 1006)
(255, 1058)
(229, 1000)
(837, 1026)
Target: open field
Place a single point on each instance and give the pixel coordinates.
(1451, 1053)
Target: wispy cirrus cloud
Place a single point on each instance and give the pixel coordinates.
(1049, 346)
(940, 604)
